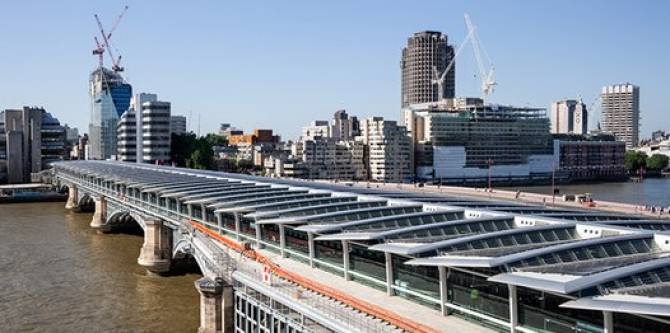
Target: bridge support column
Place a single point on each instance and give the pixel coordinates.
(389, 274)
(216, 306)
(608, 322)
(345, 259)
(156, 251)
(99, 220)
(310, 246)
(513, 310)
(72, 192)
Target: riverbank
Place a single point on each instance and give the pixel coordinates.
(33, 192)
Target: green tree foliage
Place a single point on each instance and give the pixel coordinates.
(216, 140)
(187, 150)
(237, 166)
(657, 162)
(634, 160)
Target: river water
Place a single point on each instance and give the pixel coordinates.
(652, 191)
(59, 275)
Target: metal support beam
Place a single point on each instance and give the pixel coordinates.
(282, 240)
(345, 258)
(608, 322)
(236, 216)
(443, 290)
(513, 309)
(310, 246)
(219, 221)
(389, 274)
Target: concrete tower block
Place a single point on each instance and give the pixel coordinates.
(99, 220)
(210, 305)
(71, 197)
(157, 248)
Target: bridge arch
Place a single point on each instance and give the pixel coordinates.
(123, 218)
(85, 202)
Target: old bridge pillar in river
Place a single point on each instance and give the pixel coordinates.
(156, 251)
(216, 305)
(72, 197)
(99, 220)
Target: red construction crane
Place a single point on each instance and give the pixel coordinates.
(100, 48)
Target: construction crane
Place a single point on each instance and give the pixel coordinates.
(487, 77)
(105, 46)
(439, 79)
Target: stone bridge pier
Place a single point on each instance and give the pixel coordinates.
(72, 197)
(99, 220)
(217, 311)
(156, 252)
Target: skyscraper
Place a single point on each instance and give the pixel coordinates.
(110, 98)
(426, 50)
(569, 117)
(621, 112)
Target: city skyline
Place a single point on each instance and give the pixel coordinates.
(213, 60)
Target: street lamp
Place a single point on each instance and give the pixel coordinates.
(490, 162)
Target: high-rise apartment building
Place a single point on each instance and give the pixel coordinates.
(621, 112)
(178, 125)
(30, 139)
(388, 150)
(129, 129)
(110, 98)
(143, 132)
(156, 132)
(426, 51)
(569, 117)
(344, 127)
(317, 129)
(126, 144)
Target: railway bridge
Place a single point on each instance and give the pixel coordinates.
(283, 255)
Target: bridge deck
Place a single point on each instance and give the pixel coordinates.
(409, 238)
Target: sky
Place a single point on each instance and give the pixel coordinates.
(283, 64)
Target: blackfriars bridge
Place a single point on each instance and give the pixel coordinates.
(283, 255)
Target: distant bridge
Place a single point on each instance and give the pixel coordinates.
(295, 256)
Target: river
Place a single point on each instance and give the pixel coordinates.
(652, 191)
(59, 275)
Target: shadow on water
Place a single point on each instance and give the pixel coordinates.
(184, 265)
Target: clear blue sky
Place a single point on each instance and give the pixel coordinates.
(281, 64)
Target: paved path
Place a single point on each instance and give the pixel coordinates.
(523, 197)
(401, 306)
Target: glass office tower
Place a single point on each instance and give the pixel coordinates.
(110, 97)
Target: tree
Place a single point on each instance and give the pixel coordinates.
(244, 166)
(634, 160)
(181, 147)
(190, 151)
(216, 140)
(657, 162)
(200, 159)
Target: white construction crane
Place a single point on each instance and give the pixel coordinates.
(487, 77)
(439, 79)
